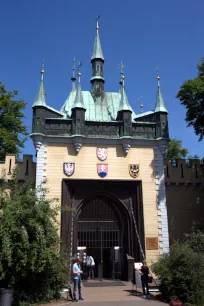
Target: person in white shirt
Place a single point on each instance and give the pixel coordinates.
(90, 263)
(76, 270)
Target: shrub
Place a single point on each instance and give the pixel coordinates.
(30, 262)
(182, 274)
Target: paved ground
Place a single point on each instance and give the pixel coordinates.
(114, 296)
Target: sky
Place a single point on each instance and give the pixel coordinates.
(143, 34)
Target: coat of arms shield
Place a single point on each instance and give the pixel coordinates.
(102, 153)
(134, 170)
(69, 168)
(102, 170)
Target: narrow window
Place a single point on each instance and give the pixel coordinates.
(9, 172)
(196, 171)
(182, 170)
(26, 172)
(167, 170)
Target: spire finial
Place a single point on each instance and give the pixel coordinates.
(79, 64)
(158, 77)
(42, 71)
(97, 26)
(141, 104)
(121, 66)
(74, 68)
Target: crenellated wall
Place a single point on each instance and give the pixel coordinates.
(185, 195)
(26, 168)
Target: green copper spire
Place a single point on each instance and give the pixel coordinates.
(79, 102)
(40, 98)
(159, 106)
(97, 51)
(124, 104)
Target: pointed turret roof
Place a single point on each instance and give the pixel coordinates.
(160, 105)
(40, 98)
(79, 102)
(97, 50)
(124, 104)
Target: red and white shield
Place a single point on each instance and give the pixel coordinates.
(102, 153)
(102, 170)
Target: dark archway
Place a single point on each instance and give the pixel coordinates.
(102, 223)
(119, 195)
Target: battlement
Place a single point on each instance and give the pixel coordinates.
(181, 171)
(26, 168)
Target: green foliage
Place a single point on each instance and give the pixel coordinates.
(191, 95)
(29, 260)
(195, 239)
(175, 149)
(181, 271)
(12, 130)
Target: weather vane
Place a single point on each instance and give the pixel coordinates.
(74, 67)
(122, 66)
(79, 64)
(157, 71)
(141, 104)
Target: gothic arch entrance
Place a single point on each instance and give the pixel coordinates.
(102, 225)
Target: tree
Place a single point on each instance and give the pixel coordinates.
(13, 133)
(175, 149)
(30, 261)
(181, 271)
(191, 95)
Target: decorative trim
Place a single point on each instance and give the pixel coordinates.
(40, 164)
(78, 143)
(159, 152)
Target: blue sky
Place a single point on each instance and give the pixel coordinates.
(143, 34)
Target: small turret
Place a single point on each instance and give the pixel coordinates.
(40, 99)
(78, 110)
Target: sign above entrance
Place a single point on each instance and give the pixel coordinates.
(102, 170)
(102, 153)
(69, 168)
(134, 170)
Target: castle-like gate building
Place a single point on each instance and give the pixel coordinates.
(106, 162)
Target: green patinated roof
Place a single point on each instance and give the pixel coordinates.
(97, 50)
(105, 109)
(160, 105)
(124, 104)
(40, 98)
(78, 101)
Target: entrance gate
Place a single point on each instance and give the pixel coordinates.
(100, 229)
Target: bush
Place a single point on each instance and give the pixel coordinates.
(30, 262)
(182, 274)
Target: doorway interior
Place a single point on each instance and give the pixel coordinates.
(100, 230)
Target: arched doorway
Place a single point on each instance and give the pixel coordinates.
(102, 227)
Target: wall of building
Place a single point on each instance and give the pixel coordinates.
(86, 162)
(185, 196)
(184, 182)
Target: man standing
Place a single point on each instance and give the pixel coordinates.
(76, 270)
(144, 271)
(90, 266)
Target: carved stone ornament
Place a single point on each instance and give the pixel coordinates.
(37, 145)
(126, 147)
(77, 146)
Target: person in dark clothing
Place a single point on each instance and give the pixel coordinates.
(144, 271)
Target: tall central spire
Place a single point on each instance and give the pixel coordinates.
(97, 50)
(97, 61)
